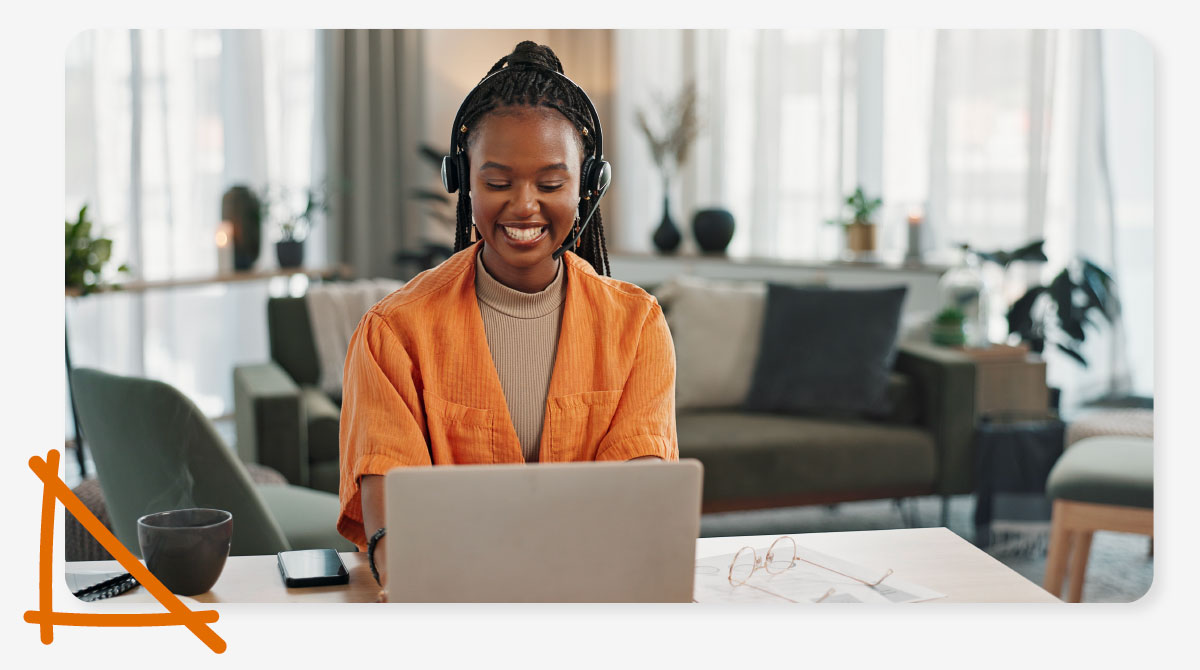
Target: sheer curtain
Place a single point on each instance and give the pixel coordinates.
(1001, 136)
(158, 124)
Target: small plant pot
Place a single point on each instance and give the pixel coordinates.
(948, 334)
(290, 253)
(860, 237)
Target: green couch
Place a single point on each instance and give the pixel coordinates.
(924, 447)
(750, 460)
(283, 419)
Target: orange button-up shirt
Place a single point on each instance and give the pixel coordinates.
(420, 387)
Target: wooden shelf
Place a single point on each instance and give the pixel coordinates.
(230, 278)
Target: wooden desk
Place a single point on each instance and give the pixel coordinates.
(933, 557)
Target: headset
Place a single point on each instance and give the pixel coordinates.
(595, 175)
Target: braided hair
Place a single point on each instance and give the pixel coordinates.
(532, 87)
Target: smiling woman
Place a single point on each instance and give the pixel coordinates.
(519, 348)
(525, 194)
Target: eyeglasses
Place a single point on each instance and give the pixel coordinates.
(781, 556)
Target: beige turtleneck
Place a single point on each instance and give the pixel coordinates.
(522, 335)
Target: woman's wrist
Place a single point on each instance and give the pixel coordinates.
(372, 548)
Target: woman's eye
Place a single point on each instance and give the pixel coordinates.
(551, 187)
(497, 184)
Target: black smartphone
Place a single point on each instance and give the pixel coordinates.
(312, 567)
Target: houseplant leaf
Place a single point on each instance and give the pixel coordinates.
(1020, 315)
(1072, 353)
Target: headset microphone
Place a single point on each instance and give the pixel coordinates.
(578, 232)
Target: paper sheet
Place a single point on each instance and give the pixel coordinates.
(808, 581)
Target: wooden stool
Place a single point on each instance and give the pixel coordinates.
(1100, 483)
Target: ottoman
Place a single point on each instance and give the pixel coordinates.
(1100, 483)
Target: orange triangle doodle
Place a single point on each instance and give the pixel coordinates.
(177, 613)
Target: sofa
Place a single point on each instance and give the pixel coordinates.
(282, 416)
(921, 446)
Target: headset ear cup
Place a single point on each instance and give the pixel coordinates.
(449, 174)
(462, 172)
(603, 176)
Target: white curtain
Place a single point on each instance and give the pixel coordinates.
(159, 123)
(1001, 136)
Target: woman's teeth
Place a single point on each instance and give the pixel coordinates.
(523, 234)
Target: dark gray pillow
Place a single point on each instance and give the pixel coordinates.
(826, 351)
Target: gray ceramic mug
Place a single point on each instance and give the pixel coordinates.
(186, 548)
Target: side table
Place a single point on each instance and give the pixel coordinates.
(1013, 457)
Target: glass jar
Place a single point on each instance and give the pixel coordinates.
(963, 287)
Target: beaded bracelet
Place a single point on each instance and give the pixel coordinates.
(371, 552)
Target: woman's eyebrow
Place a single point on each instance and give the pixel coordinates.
(497, 166)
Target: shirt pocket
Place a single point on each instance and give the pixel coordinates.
(458, 434)
(578, 422)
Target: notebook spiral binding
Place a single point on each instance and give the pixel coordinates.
(107, 588)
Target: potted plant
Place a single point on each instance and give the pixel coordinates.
(669, 149)
(1057, 313)
(860, 229)
(949, 328)
(86, 256)
(294, 228)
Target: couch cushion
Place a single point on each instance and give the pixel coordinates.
(748, 455)
(826, 351)
(322, 417)
(291, 338)
(716, 327)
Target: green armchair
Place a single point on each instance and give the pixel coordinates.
(155, 451)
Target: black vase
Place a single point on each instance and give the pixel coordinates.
(713, 229)
(241, 207)
(666, 236)
(290, 253)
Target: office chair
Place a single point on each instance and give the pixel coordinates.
(155, 451)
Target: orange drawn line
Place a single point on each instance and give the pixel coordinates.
(46, 551)
(112, 619)
(109, 541)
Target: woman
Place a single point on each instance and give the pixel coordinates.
(509, 352)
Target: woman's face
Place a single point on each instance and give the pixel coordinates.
(524, 183)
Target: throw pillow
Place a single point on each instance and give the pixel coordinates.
(335, 308)
(826, 351)
(716, 327)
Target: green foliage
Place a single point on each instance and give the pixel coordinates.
(861, 207)
(950, 316)
(1058, 312)
(86, 255)
(296, 226)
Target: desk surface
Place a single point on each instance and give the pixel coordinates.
(933, 557)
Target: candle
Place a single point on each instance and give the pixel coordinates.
(915, 218)
(224, 240)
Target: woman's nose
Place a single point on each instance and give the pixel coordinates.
(525, 201)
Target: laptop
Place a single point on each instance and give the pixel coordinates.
(552, 532)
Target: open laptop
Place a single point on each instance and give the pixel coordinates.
(553, 532)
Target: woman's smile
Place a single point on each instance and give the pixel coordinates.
(523, 235)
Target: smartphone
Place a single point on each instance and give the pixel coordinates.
(312, 567)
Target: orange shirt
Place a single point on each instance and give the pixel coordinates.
(420, 387)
